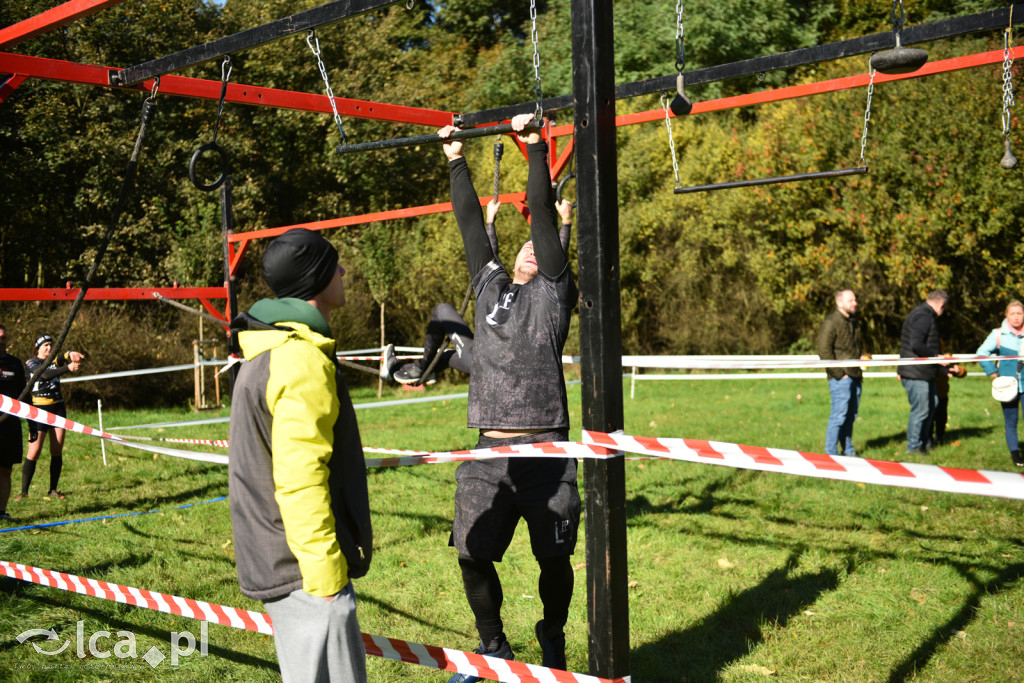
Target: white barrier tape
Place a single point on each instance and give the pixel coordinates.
(221, 443)
(147, 371)
(564, 449)
(445, 659)
(377, 359)
(696, 363)
(772, 375)
(864, 470)
(24, 410)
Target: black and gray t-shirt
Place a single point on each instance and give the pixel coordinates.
(517, 381)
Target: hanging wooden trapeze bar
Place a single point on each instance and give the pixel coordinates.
(500, 129)
(855, 170)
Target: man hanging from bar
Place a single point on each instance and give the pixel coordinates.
(516, 396)
(446, 323)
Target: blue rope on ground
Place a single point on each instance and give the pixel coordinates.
(123, 514)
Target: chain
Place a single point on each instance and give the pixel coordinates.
(680, 41)
(155, 90)
(1008, 101)
(310, 40)
(671, 141)
(867, 117)
(539, 110)
(898, 20)
(225, 76)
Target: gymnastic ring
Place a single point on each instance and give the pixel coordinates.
(561, 184)
(223, 167)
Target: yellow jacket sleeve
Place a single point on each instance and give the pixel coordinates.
(303, 400)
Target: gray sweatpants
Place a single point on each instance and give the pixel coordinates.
(317, 640)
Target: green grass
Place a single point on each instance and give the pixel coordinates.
(735, 575)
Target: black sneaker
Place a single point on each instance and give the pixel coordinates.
(409, 373)
(387, 362)
(1017, 460)
(553, 648)
(503, 652)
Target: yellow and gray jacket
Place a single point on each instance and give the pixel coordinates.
(297, 479)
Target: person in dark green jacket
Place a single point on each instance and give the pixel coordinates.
(296, 475)
(839, 339)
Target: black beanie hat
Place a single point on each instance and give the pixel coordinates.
(299, 264)
(42, 339)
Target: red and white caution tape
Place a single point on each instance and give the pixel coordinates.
(171, 604)
(910, 475)
(783, 363)
(220, 443)
(30, 412)
(446, 659)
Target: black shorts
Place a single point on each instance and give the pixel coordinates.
(492, 495)
(11, 442)
(54, 408)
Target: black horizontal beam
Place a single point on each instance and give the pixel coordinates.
(946, 28)
(395, 143)
(243, 40)
(855, 170)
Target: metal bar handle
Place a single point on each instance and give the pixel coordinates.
(856, 170)
(395, 143)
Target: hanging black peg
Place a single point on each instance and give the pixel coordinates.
(680, 104)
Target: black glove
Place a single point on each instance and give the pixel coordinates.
(33, 433)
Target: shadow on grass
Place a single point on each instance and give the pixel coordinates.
(704, 501)
(387, 607)
(701, 652)
(968, 612)
(142, 503)
(899, 439)
(112, 623)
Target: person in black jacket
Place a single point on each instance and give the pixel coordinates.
(12, 381)
(919, 339)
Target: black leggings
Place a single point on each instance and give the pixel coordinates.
(483, 591)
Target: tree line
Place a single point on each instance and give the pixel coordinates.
(735, 271)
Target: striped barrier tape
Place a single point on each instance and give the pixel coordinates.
(598, 445)
(863, 470)
(17, 408)
(220, 443)
(445, 659)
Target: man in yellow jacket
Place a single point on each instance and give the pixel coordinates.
(297, 479)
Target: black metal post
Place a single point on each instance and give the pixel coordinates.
(252, 37)
(227, 224)
(593, 67)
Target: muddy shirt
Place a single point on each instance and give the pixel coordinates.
(517, 381)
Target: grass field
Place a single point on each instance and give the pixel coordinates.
(735, 575)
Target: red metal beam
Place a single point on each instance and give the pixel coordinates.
(394, 214)
(822, 87)
(10, 85)
(51, 19)
(112, 293)
(90, 74)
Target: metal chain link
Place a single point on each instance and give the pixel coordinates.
(539, 109)
(671, 141)
(867, 118)
(898, 20)
(1008, 100)
(310, 39)
(225, 76)
(499, 150)
(680, 39)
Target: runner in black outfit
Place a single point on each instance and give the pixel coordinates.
(446, 321)
(12, 381)
(516, 395)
